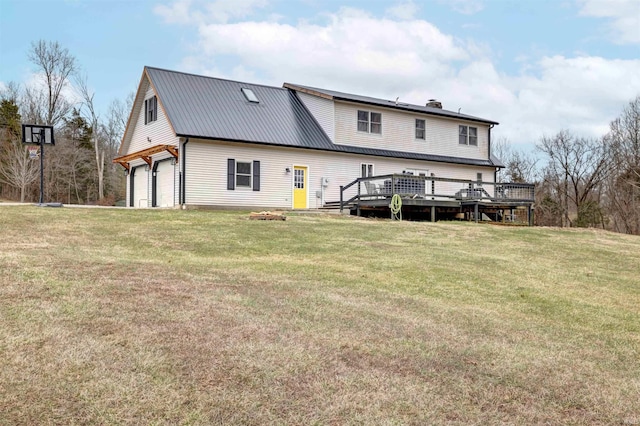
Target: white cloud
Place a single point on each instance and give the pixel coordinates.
(466, 7)
(178, 13)
(624, 15)
(220, 11)
(416, 61)
(404, 11)
(581, 94)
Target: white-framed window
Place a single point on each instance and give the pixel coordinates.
(366, 170)
(468, 135)
(420, 129)
(243, 174)
(369, 122)
(150, 110)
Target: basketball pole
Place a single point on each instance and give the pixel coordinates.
(42, 165)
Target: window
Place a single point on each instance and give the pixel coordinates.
(298, 178)
(363, 121)
(473, 136)
(251, 97)
(370, 122)
(468, 135)
(366, 170)
(420, 127)
(243, 174)
(376, 122)
(150, 110)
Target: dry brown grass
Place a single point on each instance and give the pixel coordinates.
(186, 317)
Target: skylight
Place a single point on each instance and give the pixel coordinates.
(251, 97)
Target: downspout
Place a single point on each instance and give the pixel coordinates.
(131, 195)
(154, 183)
(495, 169)
(183, 187)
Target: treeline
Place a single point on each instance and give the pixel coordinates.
(583, 182)
(78, 169)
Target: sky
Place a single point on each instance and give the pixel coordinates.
(534, 66)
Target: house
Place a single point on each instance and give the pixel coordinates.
(200, 141)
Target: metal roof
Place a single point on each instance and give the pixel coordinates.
(387, 103)
(212, 108)
(206, 107)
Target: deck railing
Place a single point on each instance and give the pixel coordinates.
(433, 188)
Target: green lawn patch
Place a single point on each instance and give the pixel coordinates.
(118, 316)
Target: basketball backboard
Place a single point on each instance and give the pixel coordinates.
(33, 133)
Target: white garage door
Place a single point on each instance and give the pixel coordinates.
(141, 187)
(165, 182)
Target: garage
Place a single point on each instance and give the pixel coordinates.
(164, 183)
(140, 185)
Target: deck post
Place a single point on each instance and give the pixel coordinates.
(358, 204)
(530, 215)
(433, 213)
(475, 211)
(341, 200)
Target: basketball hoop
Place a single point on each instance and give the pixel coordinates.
(38, 135)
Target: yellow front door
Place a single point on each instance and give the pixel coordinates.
(299, 187)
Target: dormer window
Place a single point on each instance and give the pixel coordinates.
(420, 129)
(150, 110)
(370, 122)
(468, 135)
(251, 97)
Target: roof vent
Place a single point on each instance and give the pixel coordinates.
(434, 104)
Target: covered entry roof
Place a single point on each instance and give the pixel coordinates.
(145, 155)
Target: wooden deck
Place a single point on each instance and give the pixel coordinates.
(432, 198)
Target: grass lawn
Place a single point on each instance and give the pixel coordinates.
(114, 316)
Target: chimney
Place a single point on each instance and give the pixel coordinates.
(434, 104)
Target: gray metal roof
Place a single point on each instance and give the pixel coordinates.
(390, 104)
(206, 107)
(212, 108)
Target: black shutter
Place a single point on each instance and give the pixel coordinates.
(256, 176)
(146, 108)
(155, 108)
(231, 174)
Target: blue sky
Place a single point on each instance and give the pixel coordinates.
(536, 66)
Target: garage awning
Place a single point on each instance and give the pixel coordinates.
(145, 155)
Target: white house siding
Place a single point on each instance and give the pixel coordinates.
(398, 132)
(323, 110)
(148, 135)
(206, 173)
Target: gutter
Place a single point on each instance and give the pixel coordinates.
(183, 187)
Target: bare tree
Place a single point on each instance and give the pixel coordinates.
(57, 65)
(117, 116)
(97, 134)
(16, 168)
(623, 186)
(519, 166)
(576, 168)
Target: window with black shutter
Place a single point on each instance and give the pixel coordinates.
(150, 110)
(243, 174)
